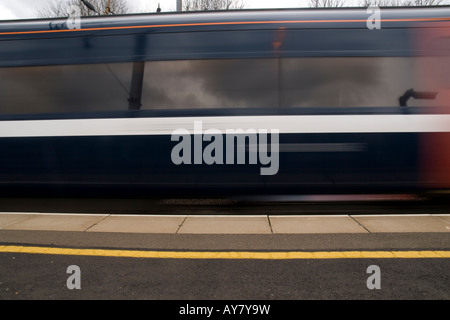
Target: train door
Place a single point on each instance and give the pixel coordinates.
(434, 74)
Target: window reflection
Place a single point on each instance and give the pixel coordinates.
(74, 88)
(234, 83)
(201, 84)
(345, 82)
(250, 83)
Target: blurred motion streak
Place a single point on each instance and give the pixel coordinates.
(90, 112)
(434, 74)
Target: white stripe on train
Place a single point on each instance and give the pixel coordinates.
(285, 124)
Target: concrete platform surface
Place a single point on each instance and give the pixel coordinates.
(234, 224)
(316, 224)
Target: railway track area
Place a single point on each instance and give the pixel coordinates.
(279, 205)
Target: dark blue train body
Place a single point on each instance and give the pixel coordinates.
(95, 111)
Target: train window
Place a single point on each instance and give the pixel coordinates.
(304, 82)
(73, 88)
(345, 81)
(202, 84)
(226, 83)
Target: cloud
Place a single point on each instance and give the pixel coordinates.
(21, 9)
(6, 14)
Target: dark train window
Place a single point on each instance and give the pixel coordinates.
(73, 88)
(345, 81)
(227, 83)
(272, 83)
(202, 84)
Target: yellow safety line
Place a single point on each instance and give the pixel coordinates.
(227, 254)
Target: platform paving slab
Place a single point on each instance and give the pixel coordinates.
(7, 219)
(56, 222)
(226, 225)
(139, 224)
(443, 217)
(315, 224)
(404, 223)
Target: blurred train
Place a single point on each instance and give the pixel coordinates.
(359, 107)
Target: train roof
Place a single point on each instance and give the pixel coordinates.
(213, 20)
(182, 36)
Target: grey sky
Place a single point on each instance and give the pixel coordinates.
(27, 9)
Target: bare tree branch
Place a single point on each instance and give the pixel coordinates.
(199, 5)
(326, 3)
(402, 3)
(60, 8)
(423, 2)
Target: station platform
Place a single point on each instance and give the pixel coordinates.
(224, 224)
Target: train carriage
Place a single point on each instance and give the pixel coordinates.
(226, 103)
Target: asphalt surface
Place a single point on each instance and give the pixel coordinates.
(44, 276)
(38, 276)
(228, 242)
